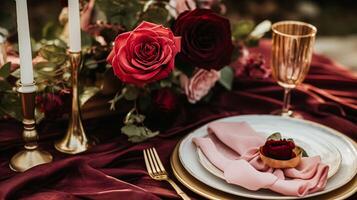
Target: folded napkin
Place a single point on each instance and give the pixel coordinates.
(233, 147)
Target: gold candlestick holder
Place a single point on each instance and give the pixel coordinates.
(75, 140)
(31, 156)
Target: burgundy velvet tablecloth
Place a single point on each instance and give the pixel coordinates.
(115, 169)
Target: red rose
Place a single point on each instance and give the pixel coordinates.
(206, 39)
(279, 149)
(164, 99)
(144, 55)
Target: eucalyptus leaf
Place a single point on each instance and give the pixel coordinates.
(5, 70)
(51, 30)
(242, 28)
(138, 133)
(261, 29)
(275, 136)
(149, 134)
(132, 130)
(5, 86)
(130, 92)
(155, 12)
(133, 118)
(304, 153)
(10, 104)
(86, 39)
(122, 12)
(53, 54)
(16, 73)
(227, 76)
(291, 139)
(165, 83)
(90, 64)
(46, 68)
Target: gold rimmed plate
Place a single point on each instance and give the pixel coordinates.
(302, 131)
(211, 193)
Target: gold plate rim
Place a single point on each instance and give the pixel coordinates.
(201, 189)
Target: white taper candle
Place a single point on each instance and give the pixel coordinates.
(26, 70)
(74, 26)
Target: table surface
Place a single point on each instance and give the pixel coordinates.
(115, 168)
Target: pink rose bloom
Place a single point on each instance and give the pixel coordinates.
(144, 55)
(180, 6)
(200, 84)
(176, 7)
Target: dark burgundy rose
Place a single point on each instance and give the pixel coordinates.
(279, 149)
(206, 39)
(164, 99)
(51, 104)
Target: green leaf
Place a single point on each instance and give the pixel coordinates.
(86, 39)
(5, 86)
(261, 29)
(138, 133)
(242, 28)
(165, 83)
(133, 118)
(130, 92)
(90, 63)
(131, 130)
(16, 73)
(122, 12)
(227, 76)
(291, 139)
(275, 136)
(10, 104)
(5, 70)
(45, 69)
(303, 152)
(51, 30)
(53, 54)
(155, 12)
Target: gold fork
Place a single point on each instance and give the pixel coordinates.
(157, 171)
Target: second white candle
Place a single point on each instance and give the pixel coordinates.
(74, 26)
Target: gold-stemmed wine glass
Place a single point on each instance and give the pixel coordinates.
(292, 48)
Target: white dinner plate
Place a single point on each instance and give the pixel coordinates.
(300, 130)
(325, 149)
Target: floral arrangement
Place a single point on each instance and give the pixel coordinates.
(158, 50)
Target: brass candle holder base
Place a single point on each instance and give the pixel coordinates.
(75, 140)
(27, 159)
(31, 156)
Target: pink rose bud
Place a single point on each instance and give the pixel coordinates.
(200, 84)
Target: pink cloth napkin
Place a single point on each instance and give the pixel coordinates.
(233, 147)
